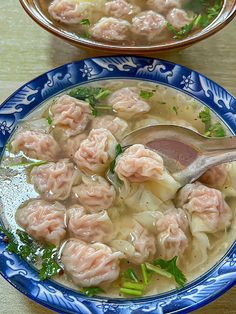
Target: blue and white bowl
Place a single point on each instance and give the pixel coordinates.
(201, 291)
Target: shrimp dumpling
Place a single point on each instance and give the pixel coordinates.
(118, 127)
(54, 181)
(70, 114)
(127, 103)
(70, 11)
(209, 212)
(95, 227)
(215, 177)
(96, 152)
(90, 264)
(70, 145)
(36, 145)
(171, 234)
(43, 221)
(95, 193)
(163, 6)
(149, 24)
(179, 18)
(111, 29)
(121, 9)
(136, 242)
(139, 164)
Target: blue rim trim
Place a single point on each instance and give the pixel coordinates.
(54, 296)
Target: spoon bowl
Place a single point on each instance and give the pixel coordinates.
(186, 153)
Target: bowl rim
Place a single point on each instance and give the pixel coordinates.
(199, 36)
(74, 72)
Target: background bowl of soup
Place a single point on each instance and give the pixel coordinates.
(161, 92)
(131, 26)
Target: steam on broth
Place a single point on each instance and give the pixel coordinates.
(132, 22)
(135, 234)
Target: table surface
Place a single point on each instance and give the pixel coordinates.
(26, 51)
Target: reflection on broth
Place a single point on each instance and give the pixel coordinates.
(132, 22)
(135, 234)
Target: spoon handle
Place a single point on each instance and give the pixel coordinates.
(214, 152)
(217, 145)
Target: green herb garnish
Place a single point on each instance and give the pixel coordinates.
(145, 274)
(172, 268)
(205, 14)
(146, 94)
(88, 94)
(119, 150)
(183, 32)
(133, 292)
(50, 266)
(205, 116)
(85, 22)
(91, 291)
(213, 12)
(158, 270)
(49, 119)
(21, 244)
(92, 95)
(133, 285)
(130, 274)
(211, 130)
(216, 130)
(175, 110)
(24, 246)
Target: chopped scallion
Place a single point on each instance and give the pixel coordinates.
(130, 274)
(146, 94)
(137, 293)
(158, 270)
(49, 119)
(133, 285)
(144, 274)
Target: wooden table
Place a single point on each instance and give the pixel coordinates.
(27, 51)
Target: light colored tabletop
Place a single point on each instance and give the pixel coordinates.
(27, 51)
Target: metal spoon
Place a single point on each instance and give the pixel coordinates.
(186, 153)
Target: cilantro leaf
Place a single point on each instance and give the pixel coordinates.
(205, 11)
(211, 130)
(89, 94)
(205, 116)
(92, 95)
(49, 119)
(146, 94)
(130, 274)
(23, 245)
(50, 266)
(171, 267)
(216, 130)
(174, 108)
(85, 22)
(91, 291)
(119, 150)
(214, 11)
(183, 32)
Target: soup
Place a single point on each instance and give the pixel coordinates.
(107, 220)
(134, 22)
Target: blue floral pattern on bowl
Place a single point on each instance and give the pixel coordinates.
(60, 298)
